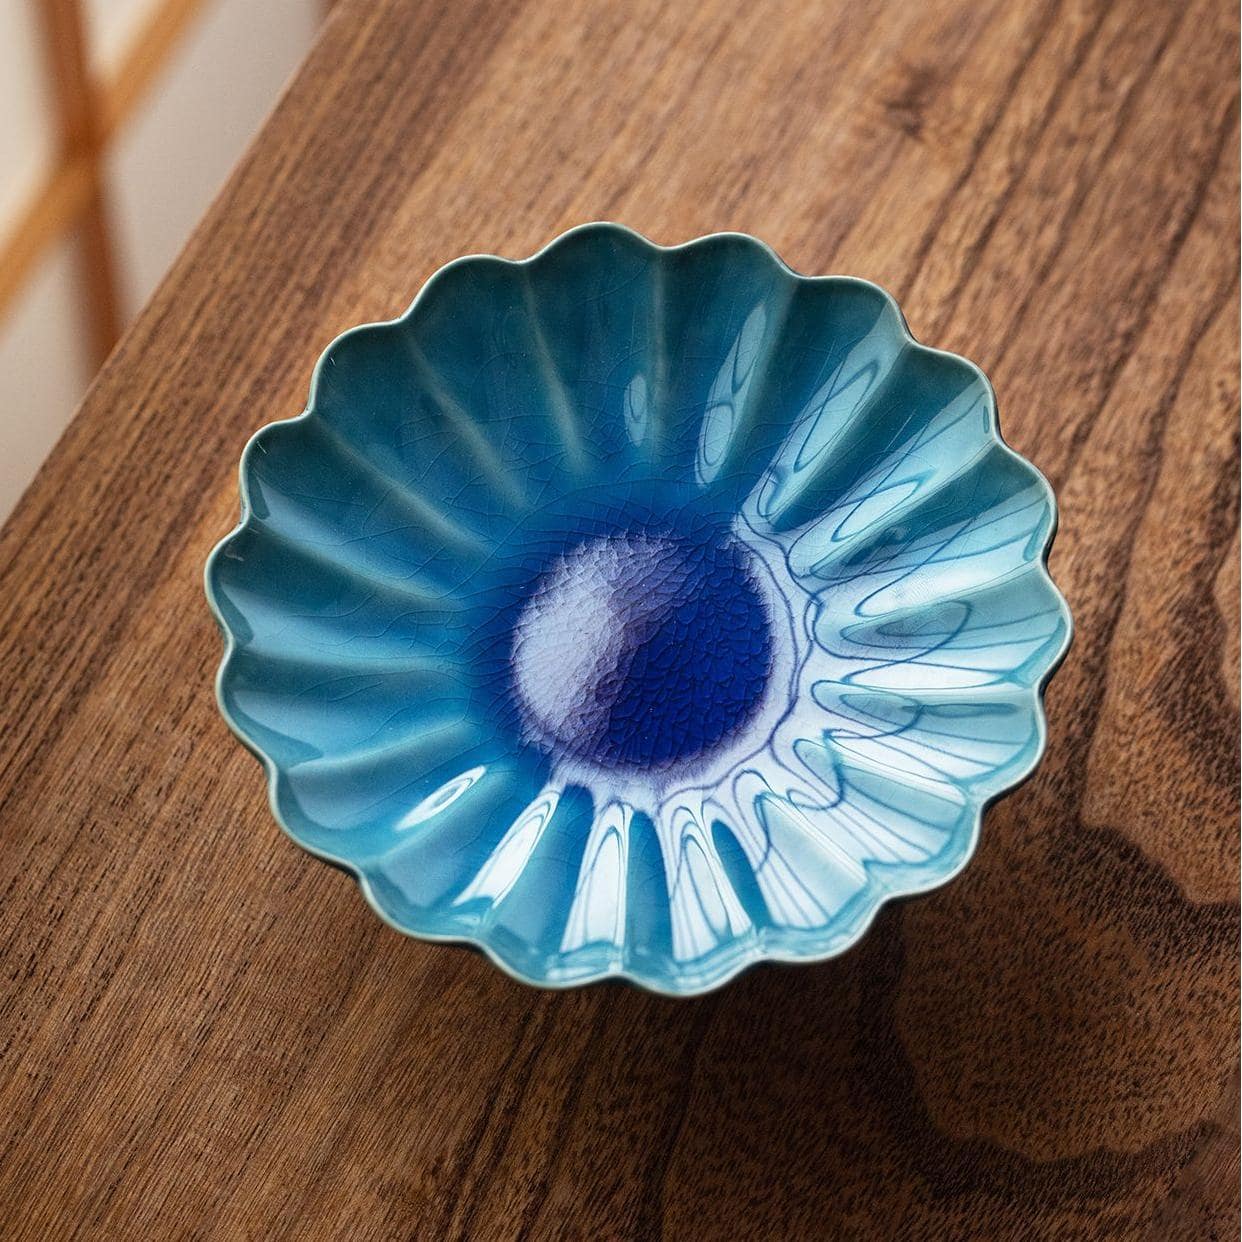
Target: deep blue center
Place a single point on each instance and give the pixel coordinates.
(641, 649)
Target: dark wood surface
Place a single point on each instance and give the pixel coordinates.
(204, 1032)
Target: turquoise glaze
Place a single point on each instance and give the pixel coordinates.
(639, 612)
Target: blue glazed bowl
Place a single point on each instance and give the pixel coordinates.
(639, 612)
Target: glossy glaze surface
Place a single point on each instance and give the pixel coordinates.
(639, 611)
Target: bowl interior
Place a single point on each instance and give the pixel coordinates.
(639, 611)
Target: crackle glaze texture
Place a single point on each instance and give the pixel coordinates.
(638, 611)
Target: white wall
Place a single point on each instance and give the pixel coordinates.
(112, 25)
(163, 171)
(25, 135)
(44, 369)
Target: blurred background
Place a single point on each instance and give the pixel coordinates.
(122, 118)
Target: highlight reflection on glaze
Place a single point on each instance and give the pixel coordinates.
(639, 612)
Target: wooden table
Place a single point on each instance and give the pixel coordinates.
(205, 1032)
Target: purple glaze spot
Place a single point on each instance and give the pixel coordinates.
(641, 649)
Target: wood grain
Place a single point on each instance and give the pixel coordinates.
(205, 1033)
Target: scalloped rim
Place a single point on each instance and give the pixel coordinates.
(758, 953)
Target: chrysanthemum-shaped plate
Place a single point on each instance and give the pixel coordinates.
(639, 612)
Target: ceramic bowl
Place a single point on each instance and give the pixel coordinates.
(639, 612)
